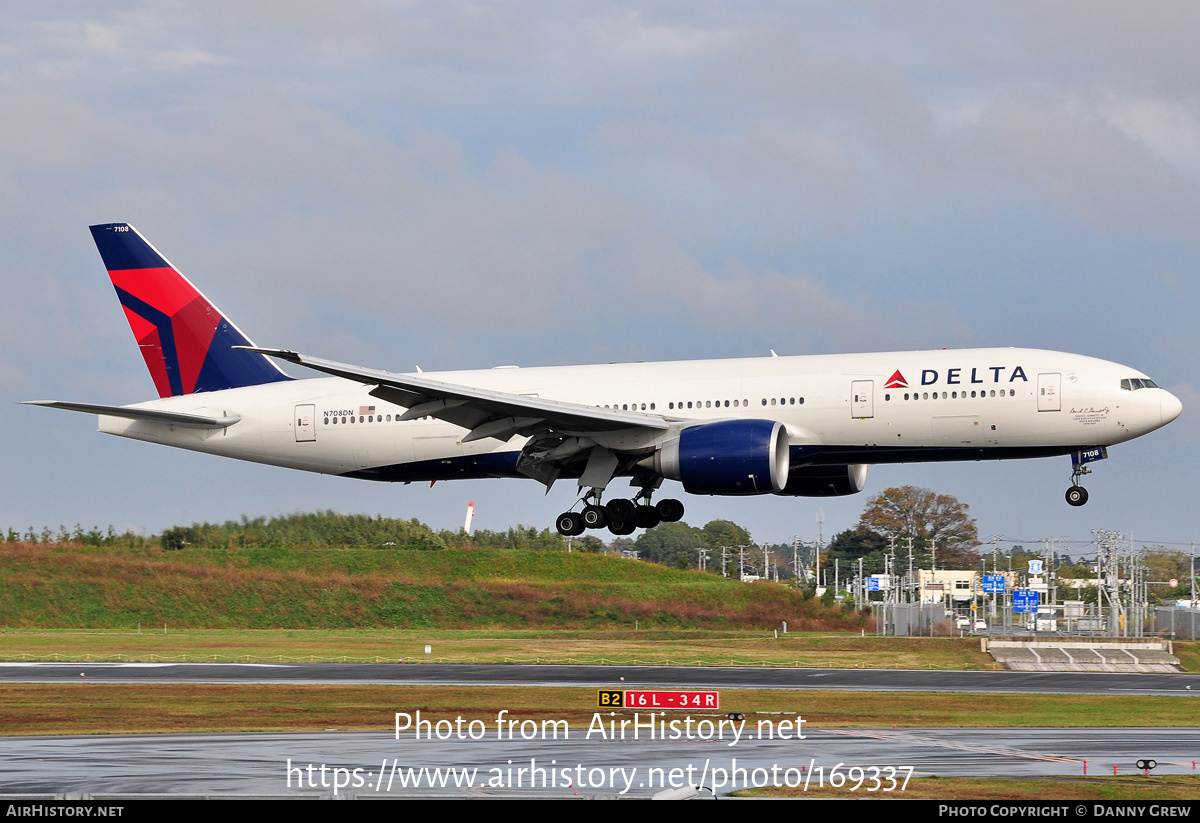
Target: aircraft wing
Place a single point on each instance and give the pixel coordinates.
(485, 412)
(191, 421)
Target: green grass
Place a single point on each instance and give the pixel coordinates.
(645, 646)
(96, 707)
(68, 586)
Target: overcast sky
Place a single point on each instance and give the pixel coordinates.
(464, 185)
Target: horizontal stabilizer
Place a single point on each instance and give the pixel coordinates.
(191, 421)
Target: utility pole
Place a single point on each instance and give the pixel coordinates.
(909, 581)
(1107, 563)
(817, 566)
(796, 557)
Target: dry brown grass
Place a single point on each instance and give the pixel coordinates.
(90, 707)
(680, 647)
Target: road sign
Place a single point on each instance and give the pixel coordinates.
(994, 584)
(1024, 601)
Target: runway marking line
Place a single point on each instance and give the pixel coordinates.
(968, 747)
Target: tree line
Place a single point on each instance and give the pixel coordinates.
(937, 528)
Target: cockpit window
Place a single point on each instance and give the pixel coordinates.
(1135, 383)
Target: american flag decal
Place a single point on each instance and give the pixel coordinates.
(366, 409)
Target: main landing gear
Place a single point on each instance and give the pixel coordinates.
(620, 516)
(1077, 495)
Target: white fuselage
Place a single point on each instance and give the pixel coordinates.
(966, 404)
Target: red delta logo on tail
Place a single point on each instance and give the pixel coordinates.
(896, 381)
(188, 344)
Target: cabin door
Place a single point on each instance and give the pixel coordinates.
(306, 428)
(1048, 387)
(862, 402)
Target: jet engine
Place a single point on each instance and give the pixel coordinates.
(727, 457)
(825, 481)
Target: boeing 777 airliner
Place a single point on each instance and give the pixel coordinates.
(801, 426)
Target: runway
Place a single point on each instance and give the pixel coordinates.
(583, 762)
(277, 764)
(608, 676)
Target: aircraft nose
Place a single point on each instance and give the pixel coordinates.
(1169, 407)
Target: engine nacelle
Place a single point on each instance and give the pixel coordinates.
(728, 457)
(826, 481)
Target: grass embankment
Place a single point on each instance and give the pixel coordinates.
(90, 707)
(71, 586)
(623, 647)
(1188, 653)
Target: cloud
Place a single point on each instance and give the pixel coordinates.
(1170, 129)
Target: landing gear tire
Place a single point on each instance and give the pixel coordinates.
(569, 524)
(594, 517)
(646, 517)
(619, 526)
(621, 510)
(669, 511)
(1077, 495)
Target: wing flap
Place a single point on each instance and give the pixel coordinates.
(474, 408)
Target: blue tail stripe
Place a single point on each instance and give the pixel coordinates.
(122, 250)
(228, 368)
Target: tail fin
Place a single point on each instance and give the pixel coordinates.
(186, 340)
